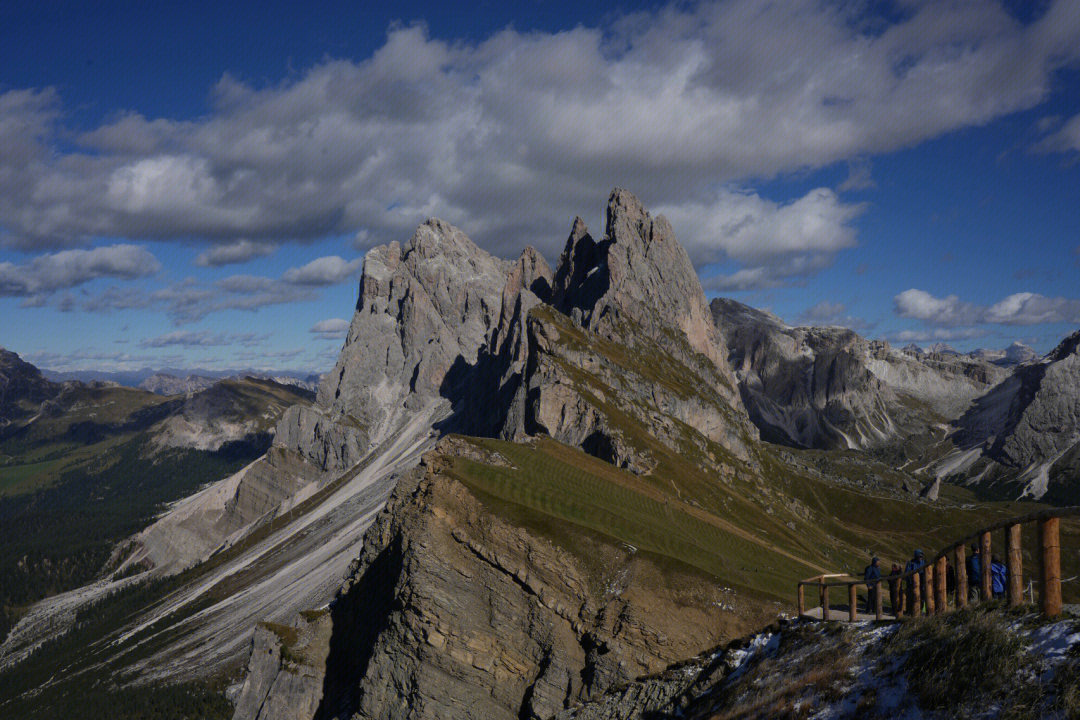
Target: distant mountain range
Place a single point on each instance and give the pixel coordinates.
(167, 381)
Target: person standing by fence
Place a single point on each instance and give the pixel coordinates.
(872, 576)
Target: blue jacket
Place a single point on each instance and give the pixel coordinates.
(871, 575)
(998, 574)
(975, 569)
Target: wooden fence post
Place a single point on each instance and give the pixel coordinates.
(801, 600)
(984, 560)
(916, 595)
(1015, 560)
(877, 601)
(853, 603)
(824, 600)
(941, 597)
(1051, 566)
(961, 576)
(928, 588)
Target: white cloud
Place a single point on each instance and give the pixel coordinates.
(324, 271)
(330, 329)
(70, 268)
(1018, 309)
(236, 252)
(859, 176)
(776, 241)
(938, 334)
(202, 338)
(511, 136)
(1033, 309)
(832, 314)
(1065, 139)
(950, 311)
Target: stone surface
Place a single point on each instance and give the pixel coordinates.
(1026, 429)
(21, 382)
(452, 612)
(828, 387)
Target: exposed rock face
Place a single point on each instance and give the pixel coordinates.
(1028, 426)
(166, 384)
(285, 671)
(423, 310)
(21, 381)
(637, 288)
(829, 387)
(452, 612)
(638, 275)
(226, 412)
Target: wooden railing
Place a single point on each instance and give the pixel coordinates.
(929, 590)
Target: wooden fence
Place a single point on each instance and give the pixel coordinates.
(928, 587)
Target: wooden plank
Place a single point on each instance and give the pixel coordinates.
(960, 560)
(941, 601)
(1050, 545)
(853, 598)
(824, 601)
(987, 582)
(915, 606)
(928, 588)
(801, 602)
(1014, 559)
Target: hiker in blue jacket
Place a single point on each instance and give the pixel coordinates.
(872, 576)
(999, 574)
(917, 562)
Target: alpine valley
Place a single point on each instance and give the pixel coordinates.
(522, 492)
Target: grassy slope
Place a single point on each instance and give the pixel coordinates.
(743, 545)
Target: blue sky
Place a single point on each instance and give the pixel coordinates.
(196, 186)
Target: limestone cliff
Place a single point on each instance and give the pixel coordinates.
(1026, 431)
(828, 387)
(455, 610)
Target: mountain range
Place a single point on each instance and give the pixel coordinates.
(521, 488)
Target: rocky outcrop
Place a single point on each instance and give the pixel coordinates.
(638, 282)
(827, 387)
(451, 611)
(166, 384)
(1027, 429)
(285, 672)
(425, 310)
(21, 383)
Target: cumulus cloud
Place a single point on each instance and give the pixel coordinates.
(512, 135)
(323, 272)
(774, 241)
(950, 310)
(1033, 309)
(330, 329)
(1018, 309)
(234, 253)
(70, 268)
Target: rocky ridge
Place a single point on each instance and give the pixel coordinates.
(451, 612)
(1026, 431)
(828, 387)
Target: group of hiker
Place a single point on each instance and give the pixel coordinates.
(904, 603)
